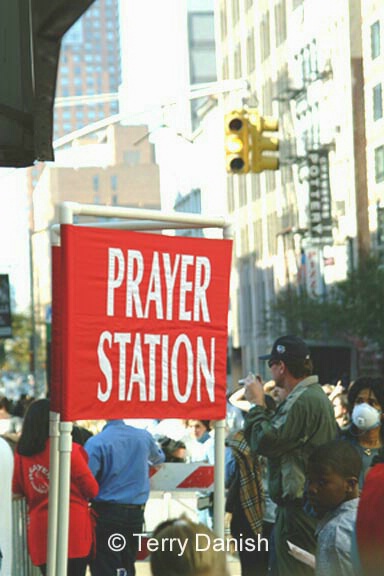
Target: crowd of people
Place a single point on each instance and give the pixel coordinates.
(304, 473)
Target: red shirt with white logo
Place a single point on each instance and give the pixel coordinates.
(31, 479)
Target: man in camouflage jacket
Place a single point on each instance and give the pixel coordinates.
(303, 421)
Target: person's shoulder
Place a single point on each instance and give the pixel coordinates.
(313, 393)
(341, 521)
(344, 523)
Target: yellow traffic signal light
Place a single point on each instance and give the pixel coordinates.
(237, 142)
(261, 143)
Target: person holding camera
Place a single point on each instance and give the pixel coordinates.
(287, 438)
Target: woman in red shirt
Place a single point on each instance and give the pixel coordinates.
(31, 480)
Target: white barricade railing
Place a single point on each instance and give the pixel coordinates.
(21, 562)
(172, 476)
(174, 488)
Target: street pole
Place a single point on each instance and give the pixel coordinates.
(32, 342)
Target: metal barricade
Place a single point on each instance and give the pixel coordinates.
(21, 562)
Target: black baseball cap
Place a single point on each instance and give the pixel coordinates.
(287, 348)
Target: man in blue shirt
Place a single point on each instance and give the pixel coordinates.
(119, 458)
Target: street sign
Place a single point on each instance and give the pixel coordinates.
(320, 216)
(5, 307)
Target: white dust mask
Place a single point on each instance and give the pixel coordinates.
(365, 417)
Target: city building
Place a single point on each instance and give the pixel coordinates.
(89, 66)
(373, 62)
(201, 51)
(305, 224)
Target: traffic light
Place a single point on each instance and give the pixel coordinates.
(237, 142)
(261, 143)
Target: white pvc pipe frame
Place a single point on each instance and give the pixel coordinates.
(60, 432)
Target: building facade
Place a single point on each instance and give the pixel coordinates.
(307, 223)
(89, 66)
(373, 63)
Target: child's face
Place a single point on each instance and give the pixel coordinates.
(327, 489)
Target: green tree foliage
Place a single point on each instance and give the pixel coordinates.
(361, 302)
(298, 313)
(353, 308)
(16, 350)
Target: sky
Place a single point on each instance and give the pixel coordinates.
(153, 66)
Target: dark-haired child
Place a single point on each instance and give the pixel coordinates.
(333, 490)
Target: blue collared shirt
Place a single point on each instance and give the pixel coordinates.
(119, 457)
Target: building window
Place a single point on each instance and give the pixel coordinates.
(267, 97)
(242, 192)
(244, 240)
(379, 164)
(225, 68)
(280, 23)
(377, 102)
(375, 40)
(270, 180)
(237, 62)
(265, 41)
(95, 183)
(255, 187)
(132, 157)
(202, 65)
(114, 199)
(223, 23)
(114, 182)
(251, 55)
(230, 194)
(235, 11)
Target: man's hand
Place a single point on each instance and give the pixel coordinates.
(254, 391)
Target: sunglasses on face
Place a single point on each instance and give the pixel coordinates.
(273, 362)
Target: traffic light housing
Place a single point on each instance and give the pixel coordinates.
(261, 143)
(237, 142)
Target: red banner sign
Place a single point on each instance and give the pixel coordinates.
(144, 325)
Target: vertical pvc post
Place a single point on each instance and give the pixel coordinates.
(64, 497)
(53, 494)
(219, 487)
(219, 483)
